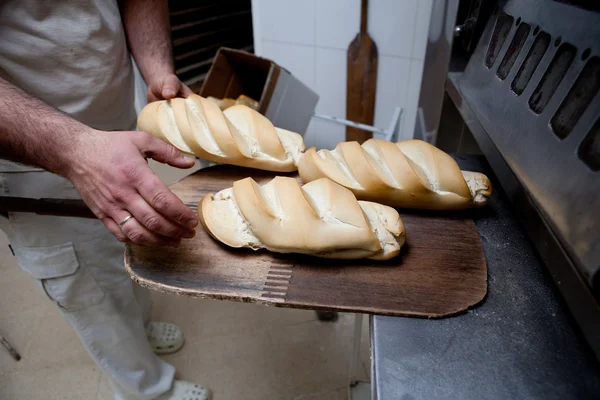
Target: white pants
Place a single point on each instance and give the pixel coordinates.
(79, 265)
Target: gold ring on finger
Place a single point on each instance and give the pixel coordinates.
(125, 220)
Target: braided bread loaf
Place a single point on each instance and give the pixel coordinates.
(408, 174)
(320, 218)
(237, 136)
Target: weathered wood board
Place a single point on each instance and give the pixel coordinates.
(442, 270)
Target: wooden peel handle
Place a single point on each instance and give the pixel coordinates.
(364, 8)
(56, 207)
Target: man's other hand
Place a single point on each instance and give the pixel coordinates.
(165, 87)
(110, 171)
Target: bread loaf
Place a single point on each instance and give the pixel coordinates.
(228, 102)
(408, 174)
(237, 136)
(320, 218)
(247, 101)
(222, 103)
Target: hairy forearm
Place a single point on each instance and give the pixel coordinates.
(148, 31)
(33, 133)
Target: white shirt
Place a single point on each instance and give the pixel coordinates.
(73, 55)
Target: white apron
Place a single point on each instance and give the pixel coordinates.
(72, 54)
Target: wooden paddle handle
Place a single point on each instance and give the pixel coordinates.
(364, 9)
(55, 207)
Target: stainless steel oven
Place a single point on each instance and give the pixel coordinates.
(528, 90)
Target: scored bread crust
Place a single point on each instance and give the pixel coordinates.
(237, 136)
(228, 102)
(320, 218)
(407, 174)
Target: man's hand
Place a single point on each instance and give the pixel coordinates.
(110, 171)
(165, 87)
(146, 24)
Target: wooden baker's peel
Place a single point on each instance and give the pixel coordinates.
(362, 80)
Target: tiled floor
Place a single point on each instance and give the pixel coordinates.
(242, 351)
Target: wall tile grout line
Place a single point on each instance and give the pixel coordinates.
(402, 134)
(337, 49)
(416, 18)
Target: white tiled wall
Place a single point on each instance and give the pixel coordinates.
(337, 23)
(310, 38)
